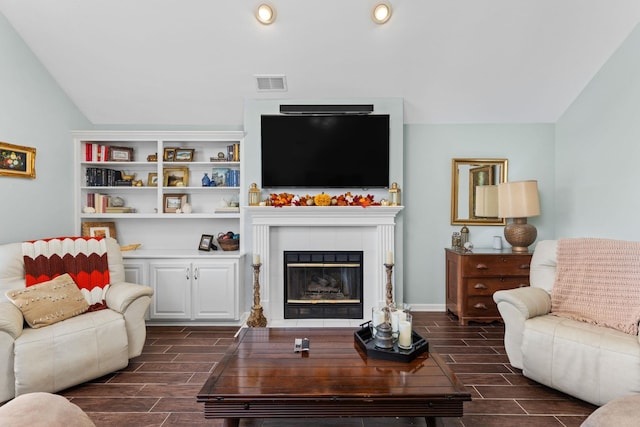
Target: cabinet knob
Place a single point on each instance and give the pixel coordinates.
(186, 273)
(524, 266)
(195, 273)
(523, 285)
(482, 266)
(481, 306)
(480, 286)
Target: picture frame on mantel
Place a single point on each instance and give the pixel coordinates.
(17, 161)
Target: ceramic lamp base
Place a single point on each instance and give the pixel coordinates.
(520, 235)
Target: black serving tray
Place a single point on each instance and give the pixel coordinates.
(365, 341)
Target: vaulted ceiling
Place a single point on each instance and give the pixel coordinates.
(193, 62)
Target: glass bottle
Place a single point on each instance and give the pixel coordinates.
(206, 181)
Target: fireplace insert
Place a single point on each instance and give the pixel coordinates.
(323, 285)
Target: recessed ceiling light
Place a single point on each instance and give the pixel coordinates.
(265, 14)
(381, 13)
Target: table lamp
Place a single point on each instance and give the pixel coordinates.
(519, 200)
(486, 201)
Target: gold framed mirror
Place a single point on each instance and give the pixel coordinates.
(474, 198)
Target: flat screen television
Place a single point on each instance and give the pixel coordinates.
(325, 151)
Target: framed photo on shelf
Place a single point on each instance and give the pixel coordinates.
(17, 161)
(175, 177)
(169, 154)
(173, 202)
(205, 242)
(152, 179)
(120, 154)
(99, 229)
(183, 155)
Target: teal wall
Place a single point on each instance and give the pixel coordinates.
(598, 152)
(427, 167)
(35, 112)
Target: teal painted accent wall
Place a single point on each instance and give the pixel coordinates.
(35, 112)
(598, 152)
(428, 152)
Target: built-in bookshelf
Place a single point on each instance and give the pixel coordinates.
(163, 191)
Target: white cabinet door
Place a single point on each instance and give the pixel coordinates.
(134, 271)
(171, 283)
(215, 290)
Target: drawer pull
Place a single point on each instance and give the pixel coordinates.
(481, 306)
(482, 267)
(523, 285)
(480, 286)
(524, 266)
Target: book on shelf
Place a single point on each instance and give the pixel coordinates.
(98, 201)
(120, 209)
(96, 152)
(233, 152)
(104, 177)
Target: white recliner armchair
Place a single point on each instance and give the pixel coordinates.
(75, 350)
(593, 363)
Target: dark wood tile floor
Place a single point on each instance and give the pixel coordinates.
(159, 387)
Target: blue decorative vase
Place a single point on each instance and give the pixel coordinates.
(206, 181)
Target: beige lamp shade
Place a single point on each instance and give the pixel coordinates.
(518, 199)
(486, 201)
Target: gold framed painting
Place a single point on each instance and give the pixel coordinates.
(99, 229)
(17, 161)
(183, 155)
(175, 177)
(173, 202)
(152, 179)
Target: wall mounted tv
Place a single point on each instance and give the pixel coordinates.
(325, 151)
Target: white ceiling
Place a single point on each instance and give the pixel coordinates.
(192, 62)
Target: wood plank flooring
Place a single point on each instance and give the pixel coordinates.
(159, 387)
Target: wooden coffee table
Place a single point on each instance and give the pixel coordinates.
(261, 376)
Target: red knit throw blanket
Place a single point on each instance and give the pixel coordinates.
(84, 258)
(598, 281)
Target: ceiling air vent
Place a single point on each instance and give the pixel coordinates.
(272, 83)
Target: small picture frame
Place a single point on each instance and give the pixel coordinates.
(99, 229)
(17, 161)
(205, 242)
(169, 154)
(120, 154)
(175, 177)
(183, 155)
(152, 179)
(173, 202)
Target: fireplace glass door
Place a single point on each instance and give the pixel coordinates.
(323, 284)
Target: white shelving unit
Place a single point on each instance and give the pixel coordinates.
(169, 238)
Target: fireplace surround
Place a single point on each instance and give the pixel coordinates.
(316, 228)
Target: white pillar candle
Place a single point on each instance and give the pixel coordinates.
(396, 316)
(404, 340)
(256, 259)
(389, 257)
(378, 317)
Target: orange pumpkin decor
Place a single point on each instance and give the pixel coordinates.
(322, 199)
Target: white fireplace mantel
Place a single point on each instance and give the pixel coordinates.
(375, 224)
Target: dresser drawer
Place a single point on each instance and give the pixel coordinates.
(492, 265)
(481, 306)
(487, 286)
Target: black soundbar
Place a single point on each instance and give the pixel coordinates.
(327, 109)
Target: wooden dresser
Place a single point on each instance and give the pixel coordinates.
(473, 277)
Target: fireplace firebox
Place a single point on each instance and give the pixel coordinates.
(323, 285)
